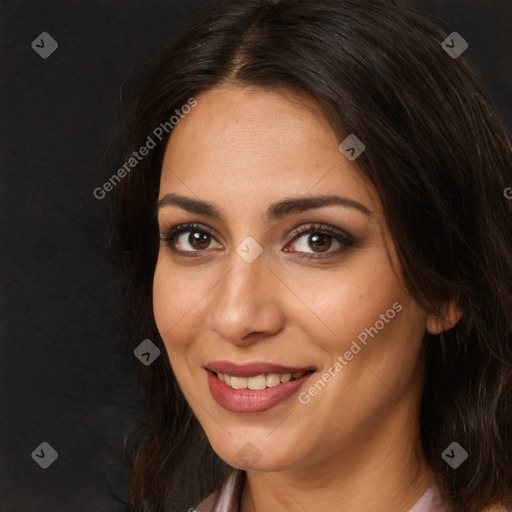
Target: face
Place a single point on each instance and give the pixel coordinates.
(265, 279)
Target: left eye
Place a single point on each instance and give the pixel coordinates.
(198, 238)
(319, 240)
(314, 241)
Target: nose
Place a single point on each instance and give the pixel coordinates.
(245, 305)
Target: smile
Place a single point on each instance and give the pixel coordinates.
(259, 382)
(254, 393)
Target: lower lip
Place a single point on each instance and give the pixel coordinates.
(250, 401)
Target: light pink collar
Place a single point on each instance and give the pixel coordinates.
(430, 501)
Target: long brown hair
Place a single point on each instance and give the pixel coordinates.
(440, 160)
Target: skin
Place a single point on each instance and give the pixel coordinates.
(356, 445)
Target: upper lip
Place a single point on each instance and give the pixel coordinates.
(253, 369)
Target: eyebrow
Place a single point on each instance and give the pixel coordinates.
(275, 211)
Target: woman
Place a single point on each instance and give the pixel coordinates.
(319, 243)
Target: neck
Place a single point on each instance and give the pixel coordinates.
(381, 470)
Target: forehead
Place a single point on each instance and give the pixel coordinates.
(257, 144)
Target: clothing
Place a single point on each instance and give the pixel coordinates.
(430, 501)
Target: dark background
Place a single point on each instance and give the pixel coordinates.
(68, 376)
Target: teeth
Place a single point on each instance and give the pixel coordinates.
(239, 382)
(273, 379)
(258, 382)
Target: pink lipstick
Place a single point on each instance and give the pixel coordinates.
(272, 384)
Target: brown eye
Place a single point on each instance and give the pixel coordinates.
(318, 239)
(315, 242)
(199, 240)
(310, 241)
(320, 242)
(188, 239)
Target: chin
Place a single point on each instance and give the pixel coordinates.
(250, 458)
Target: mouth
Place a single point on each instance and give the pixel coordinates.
(258, 382)
(250, 370)
(254, 392)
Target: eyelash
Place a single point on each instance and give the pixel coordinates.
(177, 229)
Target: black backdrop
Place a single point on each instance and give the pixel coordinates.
(68, 376)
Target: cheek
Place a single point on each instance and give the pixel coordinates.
(162, 299)
(169, 302)
(354, 300)
(179, 299)
(170, 309)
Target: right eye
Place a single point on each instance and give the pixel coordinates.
(197, 236)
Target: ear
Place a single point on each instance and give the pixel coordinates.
(450, 315)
